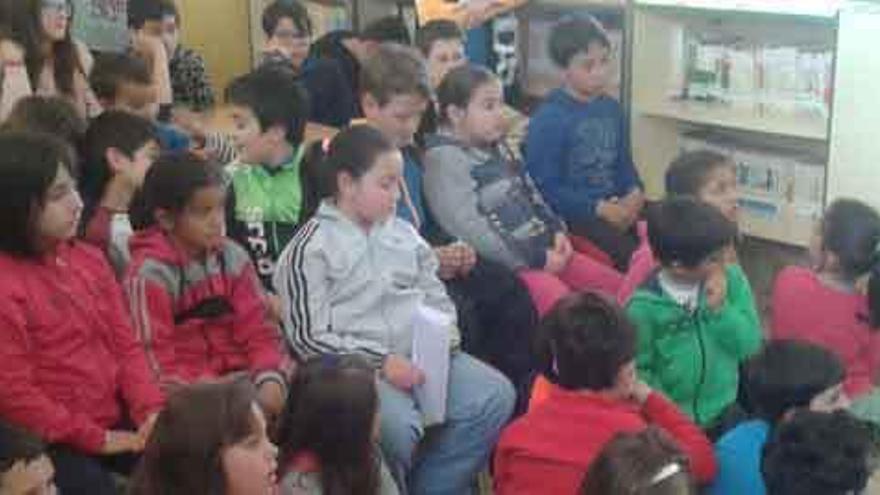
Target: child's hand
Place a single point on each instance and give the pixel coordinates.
(634, 202)
(558, 257)
(401, 373)
(716, 288)
(270, 396)
(614, 213)
(451, 261)
(468, 258)
(119, 442)
(11, 52)
(146, 428)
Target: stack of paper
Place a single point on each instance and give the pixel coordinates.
(431, 354)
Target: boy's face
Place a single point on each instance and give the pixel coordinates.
(200, 226)
(61, 210)
(137, 99)
(134, 168)
(701, 272)
(483, 120)
(720, 191)
(444, 56)
(253, 144)
(373, 197)
(398, 119)
(29, 478)
(293, 43)
(587, 72)
(830, 400)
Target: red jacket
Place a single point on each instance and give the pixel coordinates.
(550, 449)
(200, 318)
(804, 308)
(67, 349)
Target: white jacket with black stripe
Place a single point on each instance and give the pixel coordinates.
(348, 290)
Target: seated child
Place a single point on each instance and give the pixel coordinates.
(211, 438)
(329, 431)
(696, 317)
(577, 148)
(705, 175)
(194, 295)
(118, 150)
(265, 200)
(70, 367)
(479, 193)
(352, 280)
(25, 469)
(587, 349)
(786, 375)
(828, 306)
(816, 453)
(643, 463)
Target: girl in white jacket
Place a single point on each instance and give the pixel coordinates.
(351, 282)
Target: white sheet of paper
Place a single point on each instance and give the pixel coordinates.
(430, 353)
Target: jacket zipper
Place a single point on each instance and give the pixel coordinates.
(702, 380)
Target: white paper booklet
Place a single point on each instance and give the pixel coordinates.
(430, 353)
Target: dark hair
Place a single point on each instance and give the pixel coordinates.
(851, 231)
(26, 29)
(437, 30)
(276, 99)
(52, 115)
(388, 29)
(112, 129)
(112, 70)
(330, 412)
(286, 9)
(142, 11)
(29, 163)
(184, 452)
(16, 445)
(630, 463)
(686, 231)
(688, 173)
(458, 87)
(353, 151)
(173, 180)
(583, 342)
(572, 36)
(817, 453)
(787, 374)
(395, 70)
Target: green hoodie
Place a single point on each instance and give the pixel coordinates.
(693, 357)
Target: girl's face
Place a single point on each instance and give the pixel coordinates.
(373, 197)
(444, 56)
(54, 18)
(201, 224)
(720, 191)
(482, 122)
(251, 464)
(57, 221)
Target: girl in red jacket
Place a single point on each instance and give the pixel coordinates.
(67, 351)
(197, 305)
(826, 305)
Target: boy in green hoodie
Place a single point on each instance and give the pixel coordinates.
(695, 316)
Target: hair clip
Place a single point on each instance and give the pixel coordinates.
(664, 474)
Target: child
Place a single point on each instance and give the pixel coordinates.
(67, 351)
(826, 306)
(705, 175)
(479, 193)
(25, 469)
(577, 147)
(817, 453)
(329, 431)
(196, 302)
(190, 81)
(269, 111)
(47, 114)
(211, 438)
(496, 313)
(119, 148)
(644, 463)
(783, 377)
(352, 280)
(696, 317)
(586, 347)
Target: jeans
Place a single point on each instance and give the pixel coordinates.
(78, 473)
(479, 403)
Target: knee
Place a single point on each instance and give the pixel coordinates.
(399, 438)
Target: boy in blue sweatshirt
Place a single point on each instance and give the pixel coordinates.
(577, 149)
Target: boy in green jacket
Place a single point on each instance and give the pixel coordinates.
(696, 318)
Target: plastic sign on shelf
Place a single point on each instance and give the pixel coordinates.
(812, 8)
